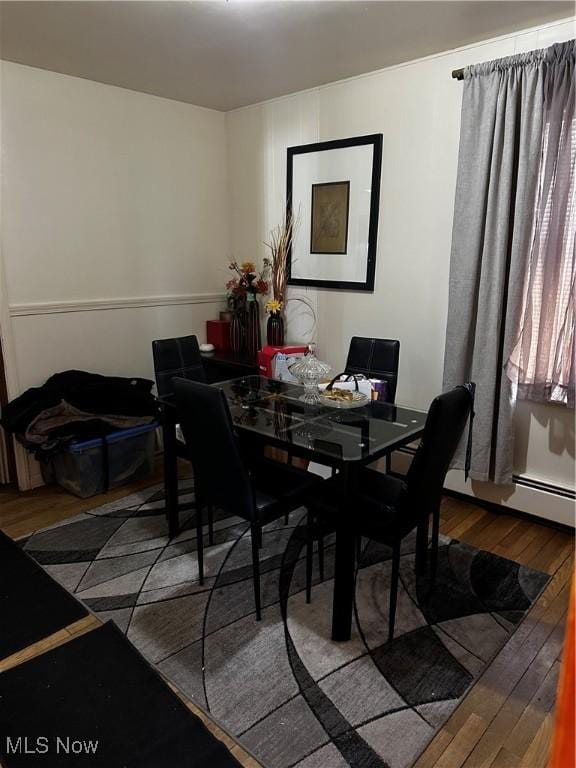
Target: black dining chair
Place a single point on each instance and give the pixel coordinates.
(176, 357)
(259, 493)
(179, 357)
(386, 508)
(375, 359)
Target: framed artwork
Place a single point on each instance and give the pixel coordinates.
(333, 193)
(329, 217)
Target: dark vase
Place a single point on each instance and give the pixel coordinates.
(253, 332)
(275, 329)
(236, 333)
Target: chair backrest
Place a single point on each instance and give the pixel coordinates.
(176, 357)
(220, 475)
(445, 423)
(376, 359)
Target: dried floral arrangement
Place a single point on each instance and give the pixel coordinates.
(248, 280)
(279, 246)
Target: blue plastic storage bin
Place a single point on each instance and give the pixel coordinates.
(94, 466)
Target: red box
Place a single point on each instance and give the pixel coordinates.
(218, 333)
(266, 356)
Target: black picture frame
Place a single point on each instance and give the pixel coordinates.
(376, 140)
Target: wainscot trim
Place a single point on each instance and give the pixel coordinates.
(97, 305)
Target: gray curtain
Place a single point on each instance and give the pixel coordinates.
(496, 191)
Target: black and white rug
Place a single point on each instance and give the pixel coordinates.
(294, 697)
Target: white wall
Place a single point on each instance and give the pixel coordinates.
(118, 211)
(114, 217)
(417, 108)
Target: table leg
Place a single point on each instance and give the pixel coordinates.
(170, 476)
(343, 597)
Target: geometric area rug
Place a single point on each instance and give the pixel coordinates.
(290, 694)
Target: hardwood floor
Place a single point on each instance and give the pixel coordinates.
(22, 513)
(506, 720)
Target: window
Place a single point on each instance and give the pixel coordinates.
(542, 361)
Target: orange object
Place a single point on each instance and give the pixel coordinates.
(563, 752)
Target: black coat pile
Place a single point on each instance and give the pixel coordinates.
(76, 405)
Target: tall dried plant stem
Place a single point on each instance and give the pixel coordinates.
(279, 245)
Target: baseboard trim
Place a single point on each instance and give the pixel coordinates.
(98, 305)
(536, 499)
(527, 482)
(541, 485)
(500, 509)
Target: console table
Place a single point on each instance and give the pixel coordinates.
(222, 366)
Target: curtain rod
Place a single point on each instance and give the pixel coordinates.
(458, 74)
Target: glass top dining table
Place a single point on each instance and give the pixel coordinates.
(273, 410)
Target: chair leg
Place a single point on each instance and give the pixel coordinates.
(255, 533)
(422, 547)
(171, 478)
(211, 524)
(388, 463)
(309, 557)
(321, 557)
(200, 543)
(258, 535)
(286, 518)
(394, 588)
(434, 552)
